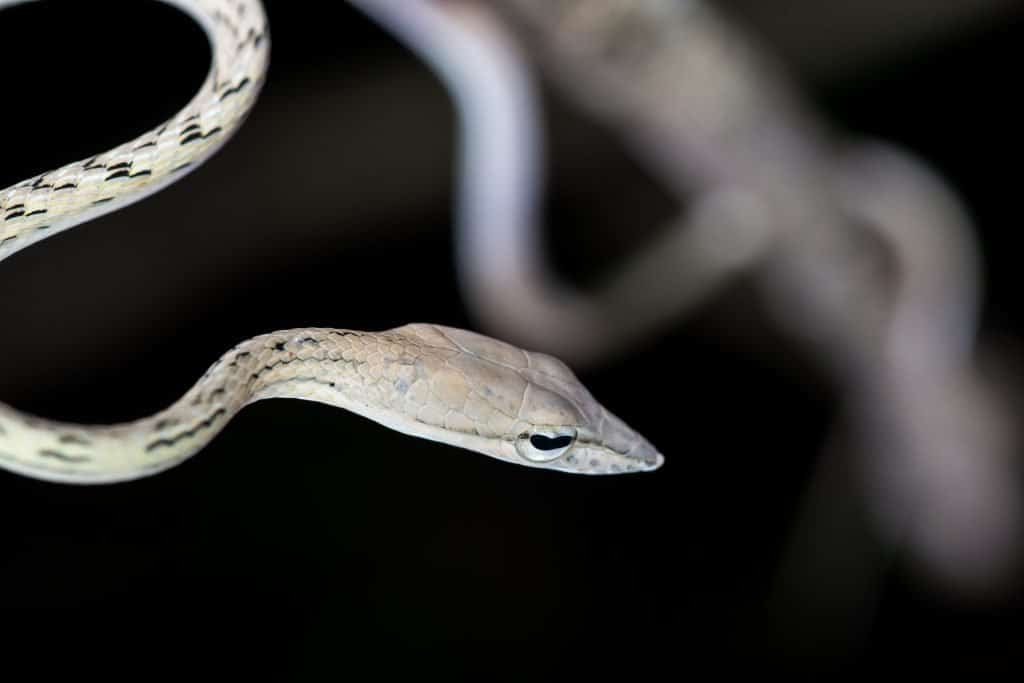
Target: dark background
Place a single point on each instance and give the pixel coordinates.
(308, 544)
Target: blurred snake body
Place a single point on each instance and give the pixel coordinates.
(434, 382)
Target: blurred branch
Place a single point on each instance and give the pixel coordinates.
(805, 212)
(826, 40)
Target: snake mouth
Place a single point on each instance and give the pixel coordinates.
(602, 459)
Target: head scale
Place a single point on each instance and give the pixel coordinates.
(520, 406)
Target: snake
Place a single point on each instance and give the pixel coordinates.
(444, 384)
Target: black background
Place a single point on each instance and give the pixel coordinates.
(306, 543)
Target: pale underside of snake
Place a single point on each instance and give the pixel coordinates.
(444, 384)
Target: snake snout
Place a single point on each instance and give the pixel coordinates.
(645, 457)
(624, 449)
(654, 461)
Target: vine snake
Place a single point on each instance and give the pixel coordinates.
(439, 383)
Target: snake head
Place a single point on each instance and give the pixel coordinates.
(520, 406)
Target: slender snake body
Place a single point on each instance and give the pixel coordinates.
(434, 382)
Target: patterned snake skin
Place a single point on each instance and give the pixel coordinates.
(438, 383)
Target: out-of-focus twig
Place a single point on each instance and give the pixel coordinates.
(772, 191)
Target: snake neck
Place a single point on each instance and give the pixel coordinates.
(343, 368)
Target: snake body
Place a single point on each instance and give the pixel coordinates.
(429, 381)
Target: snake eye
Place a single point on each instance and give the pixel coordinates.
(545, 446)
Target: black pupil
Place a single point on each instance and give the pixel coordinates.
(546, 443)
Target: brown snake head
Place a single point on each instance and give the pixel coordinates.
(520, 406)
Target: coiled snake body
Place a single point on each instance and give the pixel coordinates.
(439, 383)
